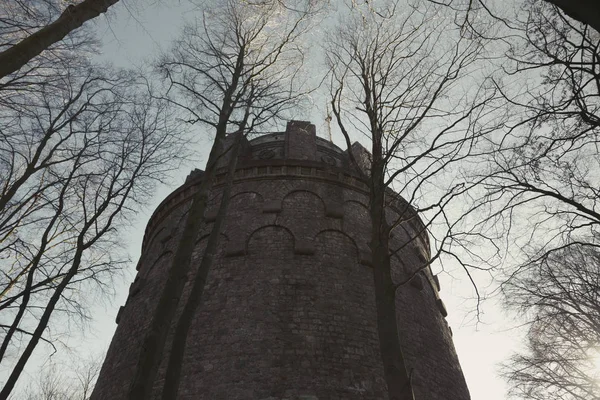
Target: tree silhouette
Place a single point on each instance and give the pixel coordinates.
(560, 298)
(392, 75)
(232, 73)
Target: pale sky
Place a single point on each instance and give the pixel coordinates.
(132, 33)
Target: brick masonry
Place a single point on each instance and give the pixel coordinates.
(288, 311)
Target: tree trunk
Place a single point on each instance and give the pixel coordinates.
(394, 365)
(156, 336)
(33, 266)
(39, 330)
(73, 17)
(154, 341)
(172, 378)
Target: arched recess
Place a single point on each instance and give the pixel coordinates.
(154, 236)
(201, 243)
(357, 206)
(407, 235)
(343, 281)
(244, 203)
(205, 236)
(270, 241)
(242, 210)
(357, 222)
(304, 204)
(335, 246)
(164, 260)
(247, 195)
(394, 216)
(181, 220)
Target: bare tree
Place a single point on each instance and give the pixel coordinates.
(184, 322)
(396, 76)
(78, 153)
(541, 191)
(542, 183)
(64, 382)
(583, 11)
(52, 21)
(559, 296)
(233, 72)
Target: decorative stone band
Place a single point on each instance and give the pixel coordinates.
(297, 169)
(290, 169)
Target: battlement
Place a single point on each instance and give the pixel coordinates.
(296, 152)
(298, 142)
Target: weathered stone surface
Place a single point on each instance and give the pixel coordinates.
(334, 210)
(305, 247)
(300, 141)
(288, 311)
(365, 257)
(211, 215)
(442, 307)
(272, 206)
(235, 249)
(417, 282)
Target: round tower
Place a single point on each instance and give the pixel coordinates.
(289, 308)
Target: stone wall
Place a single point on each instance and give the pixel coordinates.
(288, 310)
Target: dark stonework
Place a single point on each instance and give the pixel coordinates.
(300, 141)
(289, 310)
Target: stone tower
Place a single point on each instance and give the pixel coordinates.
(289, 309)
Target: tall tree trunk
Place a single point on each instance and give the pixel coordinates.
(155, 338)
(394, 364)
(173, 374)
(31, 270)
(73, 17)
(45, 318)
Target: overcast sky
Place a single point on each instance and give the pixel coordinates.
(132, 34)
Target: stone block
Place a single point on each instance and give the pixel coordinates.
(136, 286)
(361, 156)
(228, 143)
(272, 206)
(300, 141)
(366, 257)
(195, 174)
(119, 313)
(334, 210)
(304, 247)
(235, 249)
(417, 282)
(442, 307)
(166, 238)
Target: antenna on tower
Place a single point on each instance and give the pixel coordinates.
(328, 120)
